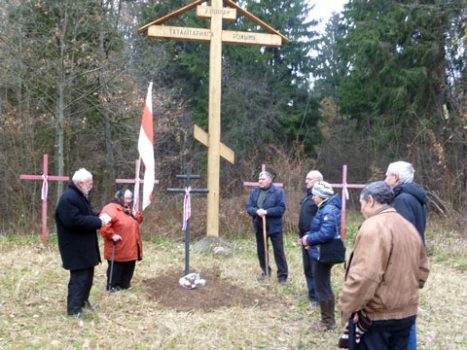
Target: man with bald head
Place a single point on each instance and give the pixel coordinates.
(308, 210)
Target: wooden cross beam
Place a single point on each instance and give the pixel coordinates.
(45, 178)
(215, 36)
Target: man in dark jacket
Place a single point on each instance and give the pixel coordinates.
(410, 198)
(269, 201)
(308, 210)
(77, 240)
(409, 201)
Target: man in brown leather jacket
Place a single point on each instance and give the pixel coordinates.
(387, 268)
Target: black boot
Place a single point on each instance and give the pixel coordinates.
(327, 314)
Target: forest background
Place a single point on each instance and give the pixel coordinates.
(386, 81)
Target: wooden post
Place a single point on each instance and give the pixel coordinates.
(215, 78)
(45, 178)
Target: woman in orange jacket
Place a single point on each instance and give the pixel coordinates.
(121, 230)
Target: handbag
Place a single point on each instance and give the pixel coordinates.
(332, 252)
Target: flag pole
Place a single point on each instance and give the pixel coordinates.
(136, 192)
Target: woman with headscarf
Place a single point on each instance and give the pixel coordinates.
(325, 227)
(122, 240)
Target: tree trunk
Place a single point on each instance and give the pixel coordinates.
(60, 106)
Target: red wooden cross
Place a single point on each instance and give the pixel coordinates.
(345, 196)
(137, 181)
(45, 178)
(256, 184)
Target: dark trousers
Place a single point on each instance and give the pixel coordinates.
(79, 288)
(122, 274)
(277, 240)
(322, 280)
(387, 335)
(309, 275)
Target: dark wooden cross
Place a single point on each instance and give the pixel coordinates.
(136, 181)
(45, 178)
(187, 177)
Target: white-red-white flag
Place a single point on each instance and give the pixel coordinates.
(146, 149)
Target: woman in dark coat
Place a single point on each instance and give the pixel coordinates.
(77, 240)
(325, 227)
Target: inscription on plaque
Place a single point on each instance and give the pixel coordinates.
(206, 12)
(179, 33)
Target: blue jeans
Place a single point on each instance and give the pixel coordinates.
(412, 345)
(387, 335)
(309, 276)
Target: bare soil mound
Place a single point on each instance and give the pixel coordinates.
(217, 293)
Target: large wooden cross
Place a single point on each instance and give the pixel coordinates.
(215, 36)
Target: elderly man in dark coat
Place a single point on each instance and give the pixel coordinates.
(409, 198)
(308, 210)
(410, 201)
(77, 240)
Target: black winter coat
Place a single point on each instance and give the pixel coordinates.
(410, 201)
(76, 229)
(308, 210)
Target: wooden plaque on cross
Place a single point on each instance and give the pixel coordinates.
(215, 36)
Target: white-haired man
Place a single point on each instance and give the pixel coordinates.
(308, 209)
(409, 198)
(77, 240)
(409, 201)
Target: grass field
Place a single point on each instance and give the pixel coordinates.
(33, 301)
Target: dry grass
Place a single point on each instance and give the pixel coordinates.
(33, 297)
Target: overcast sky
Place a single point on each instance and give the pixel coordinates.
(324, 8)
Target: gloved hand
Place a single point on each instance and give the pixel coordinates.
(105, 218)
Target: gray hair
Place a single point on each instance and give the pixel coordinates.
(315, 174)
(404, 170)
(266, 173)
(380, 191)
(81, 175)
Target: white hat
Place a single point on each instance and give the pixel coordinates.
(322, 189)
